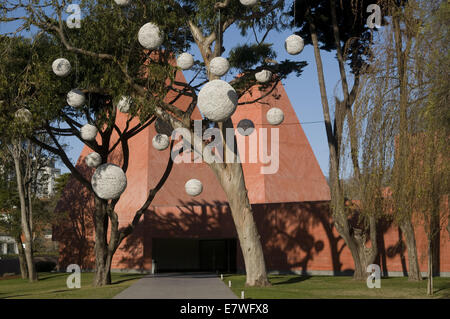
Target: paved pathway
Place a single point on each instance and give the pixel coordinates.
(178, 286)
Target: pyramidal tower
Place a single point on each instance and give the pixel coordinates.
(180, 232)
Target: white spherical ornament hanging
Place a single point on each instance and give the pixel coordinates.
(294, 44)
(94, 159)
(61, 67)
(219, 66)
(124, 104)
(264, 76)
(23, 115)
(217, 100)
(88, 132)
(185, 61)
(76, 98)
(249, 2)
(193, 187)
(160, 142)
(150, 37)
(275, 116)
(122, 2)
(109, 181)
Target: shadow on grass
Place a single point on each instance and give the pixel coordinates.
(122, 280)
(292, 280)
(50, 276)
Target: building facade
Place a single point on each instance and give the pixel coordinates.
(286, 188)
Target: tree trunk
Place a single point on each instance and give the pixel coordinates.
(32, 274)
(22, 258)
(363, 256)
(414, 269)
(232, 180)
(102, 275)
(337, 198)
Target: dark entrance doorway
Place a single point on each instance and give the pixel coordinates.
(187, 254)
(218, 255)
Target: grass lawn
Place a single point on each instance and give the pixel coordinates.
(291, 286)
(53, 286)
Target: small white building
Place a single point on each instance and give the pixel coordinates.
(7, 245)
(47, 178)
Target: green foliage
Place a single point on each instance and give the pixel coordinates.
(354, 34)
(247, 56)
(60, 183)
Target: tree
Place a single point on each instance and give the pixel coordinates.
(402, 113)
(26, 158)
(9, 214)
(111, 63)
(341, 26)
(428, 121)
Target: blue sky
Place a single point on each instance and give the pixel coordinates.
(303, 91)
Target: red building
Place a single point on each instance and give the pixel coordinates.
(184, 233)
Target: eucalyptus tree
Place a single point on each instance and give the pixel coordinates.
(111, 63)
(340, 26)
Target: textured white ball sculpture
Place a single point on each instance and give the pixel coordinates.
(124, 104)
(76, 98)
(264, 76)
(294, 44)
(88, 132)
(61, 67)
(219, 66)
(122, 2)
(275, 116)
(193, 187)
(248, 2)
(23, 115)
(185, 61)
(217, 100)
(109, 181)
(93, 159)
(150, 37)
(160, 142)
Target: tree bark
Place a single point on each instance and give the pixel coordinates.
(25, 223)
(22, 258)
(102, 275)
(232, 180)
(410, 238)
